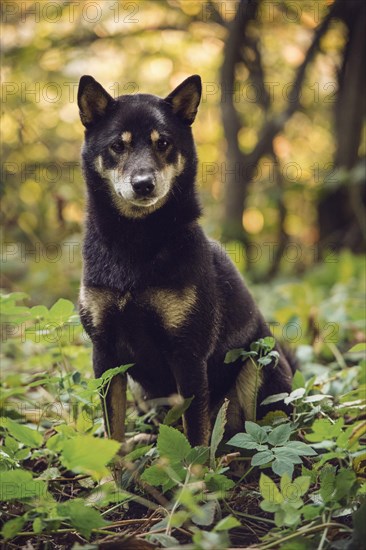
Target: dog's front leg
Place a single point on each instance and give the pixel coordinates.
(192, 381)
(114, 402)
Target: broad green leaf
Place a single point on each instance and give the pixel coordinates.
(12, 297)
(176, 412)
(285, 485)
(258, 433)
(12, 527)
(344, 483)
(286, 454)
(156, 475)
(22, 433)
(218, 431)
(245, 441)
(279, 517)
(327, 483)
(61, 311)
(11, 445)
(295, 395)
(296, 489)
(20, 485)
(269, 342)
(274, 398)
(82, 517)
(300, 448)
(323, 429)
(233, 355)
(172, 444)
(358, 348)
(268, 506)
(111, 373)
(218, 482)
(269, 490)
(311, 511)
(39, 312)
(37, 525)
(282, 466)
(280, 434)
(198, 455)
(88, 455)
(205, 514)
(266, 360)
(292, 516)
(262, 458)
(298, 380)
(229, 522)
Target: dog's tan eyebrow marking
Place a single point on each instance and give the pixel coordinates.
(154, 135)
(126, 137)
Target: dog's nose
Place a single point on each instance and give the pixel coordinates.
(143, 184)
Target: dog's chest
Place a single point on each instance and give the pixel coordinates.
(171, 307)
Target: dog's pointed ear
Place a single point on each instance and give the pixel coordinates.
(93, 100)
(185, 98)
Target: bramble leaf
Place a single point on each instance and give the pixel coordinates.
(172, 444)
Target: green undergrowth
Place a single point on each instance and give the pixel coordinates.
(294, 482)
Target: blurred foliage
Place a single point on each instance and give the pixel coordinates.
(149, 46)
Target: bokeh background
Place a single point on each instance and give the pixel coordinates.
(279, 136)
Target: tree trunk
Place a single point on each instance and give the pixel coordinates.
(341, 211)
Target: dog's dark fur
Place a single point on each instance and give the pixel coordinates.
(156, 291)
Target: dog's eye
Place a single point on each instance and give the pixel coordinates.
(162, 144)
(117, 147)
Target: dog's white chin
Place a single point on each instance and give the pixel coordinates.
(143, 203)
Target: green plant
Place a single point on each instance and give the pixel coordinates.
(261, 354)
(56, 466)
(285, 502)
(198, 480)
(273, 447)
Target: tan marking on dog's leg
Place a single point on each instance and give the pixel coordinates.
(173, 306)
(154, 136)
(116, 407)
(115, 419)
(235, 414)
(247, 386)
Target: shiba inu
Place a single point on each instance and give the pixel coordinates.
(156, 292)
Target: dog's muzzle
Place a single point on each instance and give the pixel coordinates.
(143, 184)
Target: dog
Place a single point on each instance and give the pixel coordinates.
(156, 292)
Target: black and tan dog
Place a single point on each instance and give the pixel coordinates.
(156, 291)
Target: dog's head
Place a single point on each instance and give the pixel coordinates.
(138, 144)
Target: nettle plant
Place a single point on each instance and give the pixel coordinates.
(196, 478)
